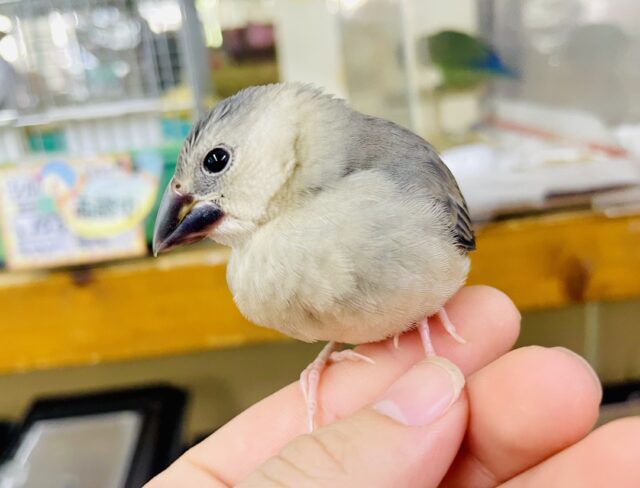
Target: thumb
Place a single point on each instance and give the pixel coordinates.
(408, 438)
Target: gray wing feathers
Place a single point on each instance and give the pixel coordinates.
(445, 189)
(414, 162)
(462, 228)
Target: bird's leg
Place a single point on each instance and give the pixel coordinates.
(423, 328)
(396, 341)
(310, 377)
(449, 327)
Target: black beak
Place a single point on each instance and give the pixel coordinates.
(182, 219)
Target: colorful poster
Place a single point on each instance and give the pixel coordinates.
(60, 213)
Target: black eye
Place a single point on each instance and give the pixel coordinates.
(216, 160)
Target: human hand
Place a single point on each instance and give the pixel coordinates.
(523, 419)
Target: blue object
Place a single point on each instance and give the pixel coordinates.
(464, 60)
(62, 171)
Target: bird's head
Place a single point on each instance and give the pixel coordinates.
(235, 169)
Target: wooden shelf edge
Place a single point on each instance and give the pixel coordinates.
(559, 260)
(178, 303)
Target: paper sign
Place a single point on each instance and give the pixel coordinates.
(60, 213)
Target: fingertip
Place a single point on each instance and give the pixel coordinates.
(586, 366)
(549, 398)
(492, 302)
(542, 385)
(567, 377)
(488, 321)
(606, 457)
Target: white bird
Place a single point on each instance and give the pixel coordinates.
(344, 227)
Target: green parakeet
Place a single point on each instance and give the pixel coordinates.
(465, 61)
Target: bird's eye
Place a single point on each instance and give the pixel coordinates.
(216, 160)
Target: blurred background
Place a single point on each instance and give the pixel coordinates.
(534, 105)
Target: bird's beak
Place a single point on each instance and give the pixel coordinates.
(182, 219)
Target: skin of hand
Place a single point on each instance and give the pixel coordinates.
(522, 419)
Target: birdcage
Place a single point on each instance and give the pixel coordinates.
(88, 76)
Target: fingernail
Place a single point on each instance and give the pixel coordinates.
(586, 364)
(423, 393)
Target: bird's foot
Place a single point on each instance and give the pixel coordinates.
(349, 355)
(310, 377)
(423, 328)
(449, 327)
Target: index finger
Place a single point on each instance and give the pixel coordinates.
(484, 316)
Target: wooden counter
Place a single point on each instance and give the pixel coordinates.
(180, 303)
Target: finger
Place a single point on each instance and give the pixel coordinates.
(484, 316)
(408, 438)
(525, 406)
(607, 457)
